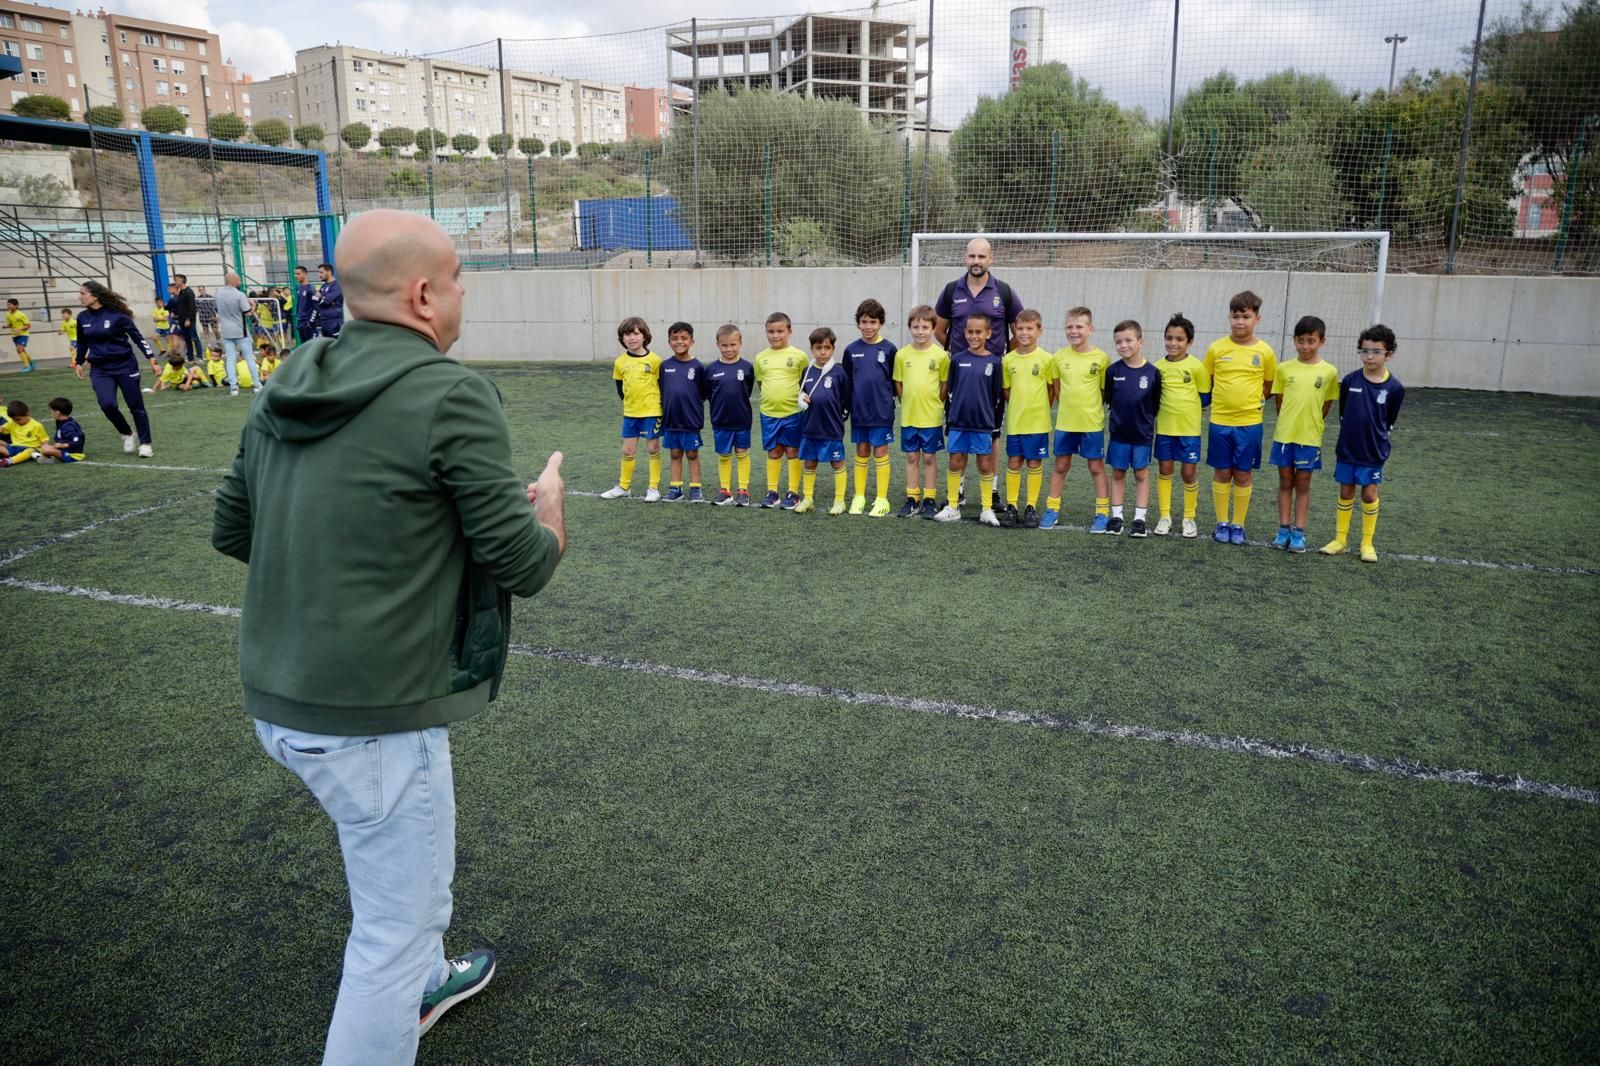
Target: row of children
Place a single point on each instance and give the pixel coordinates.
(963, 400)
(178, 374)
(22, 437)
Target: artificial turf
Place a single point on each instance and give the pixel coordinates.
(676, 870)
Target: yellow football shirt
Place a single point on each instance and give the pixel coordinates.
(241, 373)
(175, 375)
(69, 326)
(778, 372)
(26, 436)
(920, 372)
(162, 317)
(217, 370)
(641, 384)
(1182, 382)
(268, 366)
(18, 322)
(1239, 374)
(1029, 378)
(1082, 375)
(1305, 387)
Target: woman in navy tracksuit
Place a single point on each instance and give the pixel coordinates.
(111, 344)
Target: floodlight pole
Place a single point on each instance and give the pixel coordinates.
(1466, 143)
(211, 154)
(1172, 102)
(1395, 41)
(505, 156)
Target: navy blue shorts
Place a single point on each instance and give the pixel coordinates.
(1299, 456)
(877, 436)
(969, 442)
(727, 441)
(1121, 456)
(1234, 447)
(1170, 449)
(1028, 445)
(913, 439)
(780, 432)
(681, 440)
(821, 451)
(1351, 474)
(648, 427)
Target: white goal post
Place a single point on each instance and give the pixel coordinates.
(1294, 255)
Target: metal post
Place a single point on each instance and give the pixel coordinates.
(1572, 187)
(694, 59)
(533, 212)
(1211, 191)
(766, 199)
(1050, 210)
(1383, 172)
(99, 191)
(649, 215)
(211, 152)
(238, 247)
(326, 225)
(1172, 103)
(1466, 143)
(338, 140)
(291, 248)
(150, 194)
(1394, 41)
(905, 203)
(927, 112)
(505, 157)
(433, 147)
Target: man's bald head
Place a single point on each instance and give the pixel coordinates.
(979, 255)
(232, 279)
(401, 268)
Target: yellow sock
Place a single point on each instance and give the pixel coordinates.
(863, 464)
(986, 486)
(1342, 520)
(1241, 503)
(953, 487)
(809, 481)
(1191, 499)
(1102, 505)
(695, 485)
(930, 493)
(1053, 503)
(1220, 491)
(1035, 486)
(725, 472)
(839, 485)
(796, 468)
(655, 470)
(1164, 494)
(677, 484)
(626, 478)
(882, 465)
(744, 471)
(774, 472)
(1013, 486)
(1369, 522)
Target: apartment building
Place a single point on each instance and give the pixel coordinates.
(649, 112)
(42, 38)
(541, 106)
(163, 63)
(335, 85)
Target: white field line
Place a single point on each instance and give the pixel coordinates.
(1402, 768)
(18, 554)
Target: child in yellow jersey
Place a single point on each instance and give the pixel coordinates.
(19, 325)
(1028, 374)
(1303, 391)
(1242, 368)
(268, 362)
(24, 432)
(1080, 419)
(69, 330)
(1185, 393)
(174, 375)
(921, 373)
(216, 367)
(779, 368)
(637, 373)
(163, 321)
(241, 371)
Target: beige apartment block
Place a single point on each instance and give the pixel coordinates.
(41, 37)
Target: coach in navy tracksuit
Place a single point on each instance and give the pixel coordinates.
(305, 306)
(111, 344)
(330, 303)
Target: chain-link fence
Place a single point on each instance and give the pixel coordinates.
(829, 138)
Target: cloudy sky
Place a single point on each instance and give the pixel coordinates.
(1122, 46)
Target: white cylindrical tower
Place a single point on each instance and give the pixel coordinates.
(1027, 40)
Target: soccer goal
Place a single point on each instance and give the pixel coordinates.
(1149, 277)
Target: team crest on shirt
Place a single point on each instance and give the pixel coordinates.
(1255, 360)
(1383, 395)
(882, 357)
(1144, 383)
(1318, 383)
(931, 366)
(739, 374)
(691, 373)
(988, 371)
(1035, 369)
(1186, 377)
(997, 301)
(789, 362)
(827, 382)
(106, 324)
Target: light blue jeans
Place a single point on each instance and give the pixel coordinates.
(392, 799)
(232, 349)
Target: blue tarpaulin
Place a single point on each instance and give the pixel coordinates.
(634, 222)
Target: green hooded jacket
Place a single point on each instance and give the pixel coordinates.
(374, 500)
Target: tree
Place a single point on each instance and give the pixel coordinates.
(397, 137)
(227, 127)
(849, 207)
(103, 115)
(560, 149)
(357, 135)
(309, 134)
(589, 151)
(271, 132)
(404, 182)
(163, 118)
(1054, 129)
(530, 146)
(431, 140)
(465, 143)
(499, 143)
(42, 105)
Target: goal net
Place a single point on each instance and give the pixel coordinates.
(1149, 277)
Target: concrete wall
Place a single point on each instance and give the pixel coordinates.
(1510, 333)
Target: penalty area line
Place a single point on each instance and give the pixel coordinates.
(22, 553)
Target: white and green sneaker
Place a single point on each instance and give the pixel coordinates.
(468, 976)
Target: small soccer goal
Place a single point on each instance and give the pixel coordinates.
(1148, 277)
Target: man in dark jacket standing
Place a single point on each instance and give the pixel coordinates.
(330, 303)
(184, 312)
(305, 307)
(374, 499)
